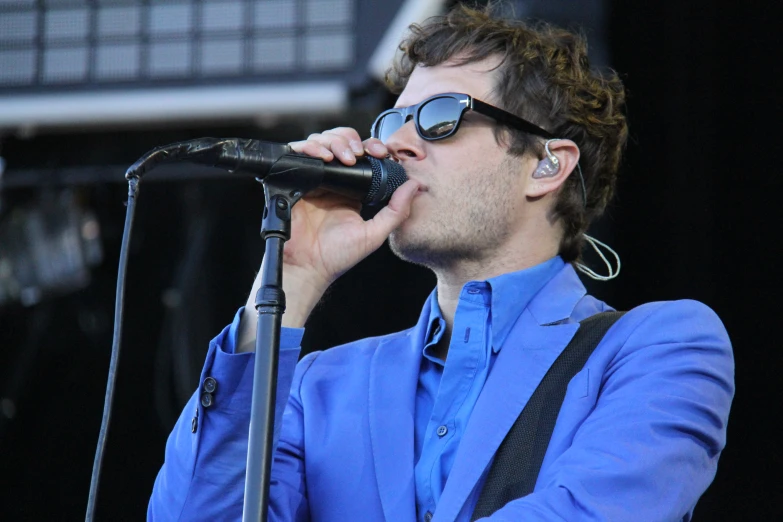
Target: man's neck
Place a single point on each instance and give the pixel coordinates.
(452, 280)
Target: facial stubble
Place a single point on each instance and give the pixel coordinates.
(469, 218)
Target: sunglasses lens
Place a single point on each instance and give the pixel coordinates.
(438, 118)
(387, 125)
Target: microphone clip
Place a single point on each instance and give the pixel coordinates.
(289, 179)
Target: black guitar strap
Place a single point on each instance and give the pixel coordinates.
(515, 469)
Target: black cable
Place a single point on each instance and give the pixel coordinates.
(133, 190)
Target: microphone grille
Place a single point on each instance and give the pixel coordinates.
(387, 176)
(397, 177)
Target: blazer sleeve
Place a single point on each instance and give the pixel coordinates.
(650, 447)
(203, 476)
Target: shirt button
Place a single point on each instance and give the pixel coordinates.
(442, 430)
(210, 385)
(427, 516)
(206, 399)
(473, 290)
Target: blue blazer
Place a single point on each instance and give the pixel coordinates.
(638, 436)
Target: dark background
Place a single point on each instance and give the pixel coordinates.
(696, 216)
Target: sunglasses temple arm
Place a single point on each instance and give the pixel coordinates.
(509, 119)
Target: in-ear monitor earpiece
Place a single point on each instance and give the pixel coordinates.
(549, 166)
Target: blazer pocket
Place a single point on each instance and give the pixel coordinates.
(579, 387)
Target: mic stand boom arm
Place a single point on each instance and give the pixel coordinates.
(232, 154)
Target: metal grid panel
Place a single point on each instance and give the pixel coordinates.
(49, 44)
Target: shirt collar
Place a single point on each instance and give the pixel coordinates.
(510, 294)
(435, 322)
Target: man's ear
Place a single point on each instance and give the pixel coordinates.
(551, 172)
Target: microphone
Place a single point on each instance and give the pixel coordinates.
(370, 180)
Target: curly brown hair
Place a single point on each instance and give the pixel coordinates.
(544, 77)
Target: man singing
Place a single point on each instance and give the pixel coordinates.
(511, 145)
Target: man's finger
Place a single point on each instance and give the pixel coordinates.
(327, 146)
(352, 138)
(341, 147)
(312, 148)
(375, 147)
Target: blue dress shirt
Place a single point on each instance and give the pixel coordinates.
(447, 392)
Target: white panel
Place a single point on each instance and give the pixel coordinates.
(328, 51)
(117, 61)
(17, 67)
(119, 21)
(222, 16)
(275, 13)
(19, 27)
(20, 3)
(146, 106)
(66, 24)
(323, 12)
(274, 54)
(220, 57)
(171, 19)
(411, 11)
(65, 65)
(170, 59)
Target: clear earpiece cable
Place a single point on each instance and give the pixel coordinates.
(589, 272)
(593, 241)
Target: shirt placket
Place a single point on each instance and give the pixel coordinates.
(467, 354)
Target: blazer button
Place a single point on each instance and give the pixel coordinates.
(206, 399)
(210, 385)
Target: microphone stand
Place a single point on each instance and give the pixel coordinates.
(290, 177)
(283, 187)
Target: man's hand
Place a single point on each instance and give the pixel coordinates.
(328, 236)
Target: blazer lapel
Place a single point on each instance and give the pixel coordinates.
(394, 375)
(532, 346)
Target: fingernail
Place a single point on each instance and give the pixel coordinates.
(347, 154)
(378, 148)
(356, 146)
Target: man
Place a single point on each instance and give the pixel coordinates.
(405, 427)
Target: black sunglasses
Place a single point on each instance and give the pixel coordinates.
(439, 117)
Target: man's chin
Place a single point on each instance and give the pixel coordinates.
(406, 247)
(416, 250)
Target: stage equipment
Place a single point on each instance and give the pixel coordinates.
(48, 248)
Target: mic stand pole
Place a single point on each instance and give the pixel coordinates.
(283, 187)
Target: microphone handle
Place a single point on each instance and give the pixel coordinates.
(354, 181)
(305, 173)
(369, 180)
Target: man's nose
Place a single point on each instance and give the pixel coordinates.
(406, 143)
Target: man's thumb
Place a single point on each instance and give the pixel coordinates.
(392, 215)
